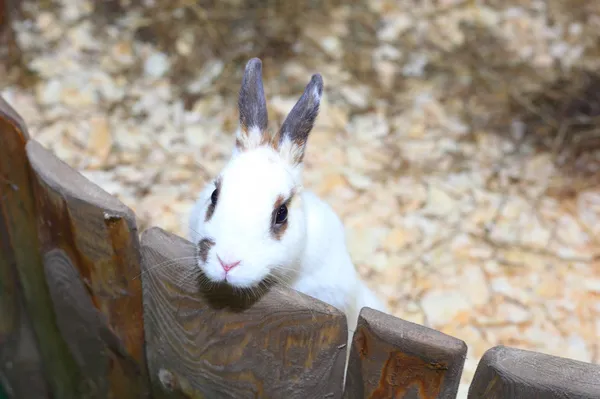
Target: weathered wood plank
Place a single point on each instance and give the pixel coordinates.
(15, 125)
(21, 280)
(90, 248)
(21, 372)
(394, 358)
(505, 373)
(211, 343)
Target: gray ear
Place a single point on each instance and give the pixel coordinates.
(301, 119)
(252, 106)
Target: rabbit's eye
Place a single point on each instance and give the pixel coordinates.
(214, 196)
(281, 216)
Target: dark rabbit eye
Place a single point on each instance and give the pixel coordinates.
(281, 216)
(214, 196)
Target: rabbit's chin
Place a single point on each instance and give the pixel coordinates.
(234, 278)
(243, 282)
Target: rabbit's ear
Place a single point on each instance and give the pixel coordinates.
(294, 131)
(252, 107)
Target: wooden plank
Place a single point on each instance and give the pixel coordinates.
(394, 358)
(14, 125)
(21, 372)
(209, 342)
(21, 365)
(504, 373)
(91, 259)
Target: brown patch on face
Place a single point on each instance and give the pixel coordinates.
(203, 248)
(277, 230)
(211, 207)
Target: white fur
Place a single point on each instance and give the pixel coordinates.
(250, 139)
(311, 256)
(239, 226)
(290, 152)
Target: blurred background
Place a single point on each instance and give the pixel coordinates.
(459, 141)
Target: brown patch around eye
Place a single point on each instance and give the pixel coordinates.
(278, 230)
(211, 207)
(209, 212)
(203, 247)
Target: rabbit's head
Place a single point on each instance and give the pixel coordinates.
(251, 222)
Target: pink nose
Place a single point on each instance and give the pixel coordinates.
(228, 266)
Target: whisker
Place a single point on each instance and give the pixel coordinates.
(168, 262)
(180, 281)
(281, 267)
(185, 276)
(189, 226)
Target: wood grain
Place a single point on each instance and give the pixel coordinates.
(394, 358)
(22, 284)
(91, 260)
(505, 373)
(20, 363)
(213, 343)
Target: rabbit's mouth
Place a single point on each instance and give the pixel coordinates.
(238, 276)
(239, 280)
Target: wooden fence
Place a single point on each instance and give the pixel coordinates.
(85, 313)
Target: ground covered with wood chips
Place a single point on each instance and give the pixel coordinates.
(458, 141)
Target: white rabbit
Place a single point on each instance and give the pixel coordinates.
(255, 221)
